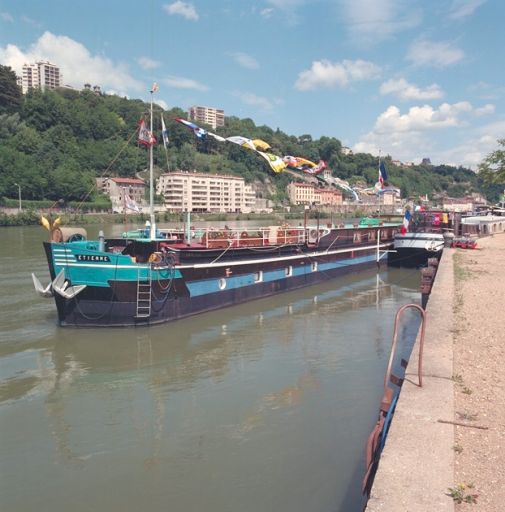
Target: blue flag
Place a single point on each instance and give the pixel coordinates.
(383, 172)
(164, 133)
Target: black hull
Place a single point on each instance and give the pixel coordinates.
(411, 257)
(98, 308)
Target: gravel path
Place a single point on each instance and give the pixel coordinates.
(479, 374)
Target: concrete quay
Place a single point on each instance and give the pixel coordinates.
(449, 435)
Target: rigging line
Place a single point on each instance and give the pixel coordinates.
(108, 168)
(230, 243)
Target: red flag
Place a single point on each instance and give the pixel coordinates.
(145, 136)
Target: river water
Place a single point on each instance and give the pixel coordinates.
(264, 406)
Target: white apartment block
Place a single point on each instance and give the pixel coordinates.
(41, 75)
(199, 192)
(208, 115)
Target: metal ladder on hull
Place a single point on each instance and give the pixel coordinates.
(144, 287)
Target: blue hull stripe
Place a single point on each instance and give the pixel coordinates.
(198, 288)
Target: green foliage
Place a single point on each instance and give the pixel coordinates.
(54, 143)
(460, 495)
(492, 169)
(25, 218)
(10, 93)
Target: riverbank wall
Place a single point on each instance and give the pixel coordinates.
(446, 443)
(416, 465)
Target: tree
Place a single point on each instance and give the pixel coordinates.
(10, 92)
(492, 169)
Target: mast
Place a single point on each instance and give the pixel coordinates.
(154, 88)
(379, 191)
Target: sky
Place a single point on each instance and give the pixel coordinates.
(412, 79)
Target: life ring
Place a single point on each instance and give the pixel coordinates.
(313, 234)
(155, 257)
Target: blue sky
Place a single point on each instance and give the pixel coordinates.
(409, 78)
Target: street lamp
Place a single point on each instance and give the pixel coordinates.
(19, 195)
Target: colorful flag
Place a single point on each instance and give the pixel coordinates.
(130, 204)
(406, 222)
(275, 162)
(154, 88)
(145, 136)
(164, 132)
(199, 132)
(383, 174)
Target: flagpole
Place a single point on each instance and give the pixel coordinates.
(379, 210)
(151, 177)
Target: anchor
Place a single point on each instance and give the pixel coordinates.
(58, 285)
(46, 292)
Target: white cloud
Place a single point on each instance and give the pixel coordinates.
(421, 118)
(471, 151)
(407, 91)
(436, 54)
(287, 9)
(244, 60)
(162, 103)
(324, 73)
(76, 63)
(5, 16)
(253, 100)
(147, 63)
(411, 136)
(487, 109)
(463, 8)
(183, 9)
(267, 13)
(486, 91)
(179, 82)
(376, 20)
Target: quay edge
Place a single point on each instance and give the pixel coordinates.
(416, 467)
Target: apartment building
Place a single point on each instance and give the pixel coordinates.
(40, 75)
(307, 193)
(208, 115)
(200, 192)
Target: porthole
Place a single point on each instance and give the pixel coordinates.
(222, 284)
(258, 276)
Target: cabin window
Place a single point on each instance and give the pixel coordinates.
(289, 271)
(357, 238)
(313, 266)
(222, 284)
(258, 276)
(371, 235)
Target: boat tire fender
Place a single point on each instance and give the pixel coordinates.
(155, 257)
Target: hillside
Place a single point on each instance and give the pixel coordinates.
(54, 143)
